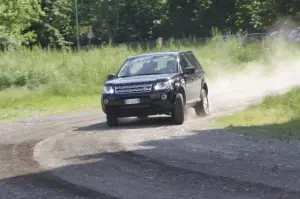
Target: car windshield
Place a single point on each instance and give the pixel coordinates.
(148, 65)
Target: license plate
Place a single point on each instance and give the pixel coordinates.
(132, 101)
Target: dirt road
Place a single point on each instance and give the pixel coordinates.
(78, 157)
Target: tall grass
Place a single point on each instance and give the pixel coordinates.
(29, 77)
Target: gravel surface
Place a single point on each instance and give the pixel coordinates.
(153, 159)
(76, 156)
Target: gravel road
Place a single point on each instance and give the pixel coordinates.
(76, 156)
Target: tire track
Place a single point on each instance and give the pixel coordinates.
(153, 174)
(30, 176)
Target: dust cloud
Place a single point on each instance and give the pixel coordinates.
(243, 89)
(239, 90)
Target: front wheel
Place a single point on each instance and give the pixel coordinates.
(178, 110)
(202, 108)
(111, 120)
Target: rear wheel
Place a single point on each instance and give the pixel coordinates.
(178, 110)
(202, 107)
(111, 120)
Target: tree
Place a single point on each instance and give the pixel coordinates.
(56, 26)
(188, 18)
(120, 20)
(52, 22)
(262, 14)
(139, 20)
(16, 17)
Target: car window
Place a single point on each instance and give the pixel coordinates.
(194, 61)
(183, 62)
(149, 64)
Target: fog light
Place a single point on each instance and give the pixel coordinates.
(105, 101)
(164, 96)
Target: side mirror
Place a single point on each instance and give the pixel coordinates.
(110, 77)
(189, 70)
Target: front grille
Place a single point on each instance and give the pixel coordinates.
(138, 88)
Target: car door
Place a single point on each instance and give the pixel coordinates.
(199, 73)
(189, 79)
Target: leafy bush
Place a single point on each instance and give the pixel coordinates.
(7, 43)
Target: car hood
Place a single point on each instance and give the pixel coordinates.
(141, 78)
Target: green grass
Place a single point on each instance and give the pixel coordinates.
(45, 81)
(276, 117)
(48, 105)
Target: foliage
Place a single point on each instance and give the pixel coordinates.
(56, 25)
(48, 80)
(261, 14)
(52, 74)
(52, 23)
(8, 43)
(68, 73)
(16, 17)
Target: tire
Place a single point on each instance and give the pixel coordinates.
(178, 110)
(202, 107)
(111, 120)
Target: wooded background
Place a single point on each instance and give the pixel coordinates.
(53, 22)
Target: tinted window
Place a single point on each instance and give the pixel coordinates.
(194, 61)
(183, 62)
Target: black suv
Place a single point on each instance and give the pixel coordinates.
(156, 83)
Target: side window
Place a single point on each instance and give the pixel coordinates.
(194, 61)
(183, 63)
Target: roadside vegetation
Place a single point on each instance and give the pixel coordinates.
(38, 82)
(45, 81)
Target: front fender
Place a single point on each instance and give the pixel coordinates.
(179, 87)
(179, 84)
(204, 85)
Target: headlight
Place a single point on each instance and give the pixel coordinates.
(163, 85)
(108, 90)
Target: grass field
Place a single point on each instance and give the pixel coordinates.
(41, 82)
(45, 82)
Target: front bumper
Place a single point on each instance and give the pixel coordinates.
(150, 104)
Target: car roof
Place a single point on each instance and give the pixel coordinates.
(159, 54)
